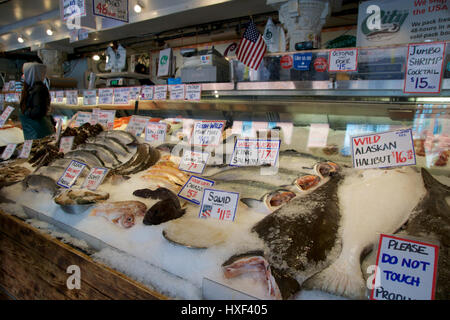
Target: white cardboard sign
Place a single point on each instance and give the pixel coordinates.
(9, 150)
(5, 115)
(71, 174)
(255, 152)
(193, 161)
(94, 178)
(105, 95)
(193, 92)
(318, 135)
(65, 144)
(90, 97)
(343, 60)
(176, 92)
(82, 118)
(122, 95)
(383, 150)
(26, 149)
(72, 97)
(424, 68)
(147, 93)
(137, 124)
(106, 118)
(207, 133)
(135, 93)
(406, 269)
(219, 204)
(192, 191)
(160, 92)
(155, 132)
(59, 96)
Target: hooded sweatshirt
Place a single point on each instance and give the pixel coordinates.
(37, 98)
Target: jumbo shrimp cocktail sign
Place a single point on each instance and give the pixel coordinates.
(383, 150)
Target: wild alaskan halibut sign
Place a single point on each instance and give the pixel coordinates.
(406, 269)
(383, 150)
(402, 21)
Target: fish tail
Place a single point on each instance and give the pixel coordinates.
(341, 278)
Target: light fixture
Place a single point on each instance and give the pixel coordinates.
(49, 32)
(138, 8)
(20, 39)
(96, 57)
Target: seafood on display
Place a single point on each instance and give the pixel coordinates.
(121, 213)
(40, 183)
(80, 196)
(165, 174)
(12, 174)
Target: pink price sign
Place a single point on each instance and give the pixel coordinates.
(94, 178)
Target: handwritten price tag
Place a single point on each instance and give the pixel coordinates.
(65, 145)
(121, 95)
(343, 60)
(219, 204)
(160, 92)
(147, 93)
(72, 97)
(71, 174)
(82, 118)
(255, 152)
(155, 132)
(192, 191)
(193, 161)
(89, 97)
(106, 118)
(135, 93)
(176, 92)
(94, 178)
(193, 92)
(207, 133)
(105, 96)
(137, 124)
(26, 149)
(52, 96)
(424, 68)
(9, 150)
(5, 115)
(59, 96)
(383, 150)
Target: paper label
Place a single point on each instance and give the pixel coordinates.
(122, 95)
(255, 152)
(94, 116)
(117, 10)
(343, 60)
(105, 96)
(147, 93)
(193, 92)
(65, 145)
(176, 92)
(137, 124)
(9, 150)
(59, 124)
(155, 132)
(72, 97)
(89, 97)
(106, 118)
(82, 118)
(406, 269)
(193, 161)
(59, 96)
(71, 174)
(383, 150)
(52, 96)
(26, 149)
(135, 93)
(318, 135)
(160, 92)
(424, 68)
(219, 204)
(5, 115)
(94, 178)
(192, 191)
(207, 133)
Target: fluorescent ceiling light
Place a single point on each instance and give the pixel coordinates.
(49, 32)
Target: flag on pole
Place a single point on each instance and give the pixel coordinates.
(252, 47)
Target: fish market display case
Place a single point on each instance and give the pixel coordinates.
(310, 228)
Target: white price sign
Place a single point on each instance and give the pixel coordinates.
(9, 150)
(147, 93)
(155, 132)
(59, 96)
(117, 9)
(193, 92)
(106, 118)
(207, 133)
(135, 93)
(424, 68)
(5, 115)
(82, 118)
(405, 269)
(219, 204)
(176, 92)
(343, 60)
(160, 92)
(90, 97)
(94, 178)
(122, 95)
(105, 96)
(71, 174)
(318, 135)
(72, 97)
(383, 150)
(137, 124)
(192, 191)
(255, 152)
(26, 149)
(193, 161)
(52, 96)
(65, 144)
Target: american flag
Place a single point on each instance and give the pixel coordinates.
(252, 47)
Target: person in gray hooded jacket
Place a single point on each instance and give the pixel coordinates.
(35, 103)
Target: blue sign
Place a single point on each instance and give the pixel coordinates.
(302, 61)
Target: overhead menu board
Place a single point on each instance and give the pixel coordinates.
(117, 9)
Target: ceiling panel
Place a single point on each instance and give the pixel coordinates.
(13, 11)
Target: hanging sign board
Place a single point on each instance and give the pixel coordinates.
(105, 95)
(72, 97)
(117, 9)
(219, 204)
(424, 68)
(255, 152)
(165, 60)
(26, 149)
(192, 191)
(9, 150)
(343, 60)
(94, 178)
(193, 161)
(147, 93)
(90, 97)
(406, 269)
(71, 174)
(383, 150)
